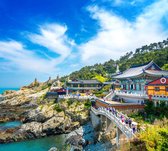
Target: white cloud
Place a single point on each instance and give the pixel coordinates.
(53, 37)
(118, 35)
(18, 57)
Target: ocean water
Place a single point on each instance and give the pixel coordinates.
(42, 144)
(10, 125)
(4, 89)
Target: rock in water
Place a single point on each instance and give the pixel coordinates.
(53, 149)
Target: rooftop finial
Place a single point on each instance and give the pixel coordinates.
(117, 69)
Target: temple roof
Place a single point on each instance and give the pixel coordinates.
(150, 68)
(85, 82)
(160, 81)
(157, 73)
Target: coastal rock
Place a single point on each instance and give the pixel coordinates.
(33, 127)
(53, 125)
(41, 114)
(34, 115)
(53, 149)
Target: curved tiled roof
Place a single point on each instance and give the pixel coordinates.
(85, 82)
(136, 71)
(157, 73)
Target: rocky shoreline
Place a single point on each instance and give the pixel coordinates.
(40, 116)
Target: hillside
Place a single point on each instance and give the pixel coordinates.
(158, 52)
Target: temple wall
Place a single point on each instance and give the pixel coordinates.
(162, 90)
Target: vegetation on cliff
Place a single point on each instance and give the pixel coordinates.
(158, 52)
(154, 128)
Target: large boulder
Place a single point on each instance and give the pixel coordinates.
(34, 127)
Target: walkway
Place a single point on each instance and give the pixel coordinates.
(116, 118)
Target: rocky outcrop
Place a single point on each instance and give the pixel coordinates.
(11, 113)
(48, 119)
(53, 149)
(33, 127)
(40, 116)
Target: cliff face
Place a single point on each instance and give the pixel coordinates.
(40, 116)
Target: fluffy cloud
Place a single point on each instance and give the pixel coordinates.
(53, 38)
(118, 35)
(115, 37)
(17, 57)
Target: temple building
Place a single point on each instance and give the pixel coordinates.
(133, 81)
(158, 87)
(83, 85)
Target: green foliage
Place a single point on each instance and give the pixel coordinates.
(45, 86)
(58, 108)
(158, 52)
(70, 101)
(151, 113)
(165, 67)
(155, 138)
(100, 78)
(106, 88)
(159, 111)
(87, 104)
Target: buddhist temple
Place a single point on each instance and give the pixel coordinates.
(133, 81)
(158, 87)
(83, 85)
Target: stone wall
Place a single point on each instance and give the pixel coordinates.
(95, 120)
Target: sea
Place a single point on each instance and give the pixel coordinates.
(4, 89)
(42, 144)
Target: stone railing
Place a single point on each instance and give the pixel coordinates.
(141, 95)
(75, 97)
(122, 126)
(109, 96)
(160, 97)
(130, 94)
(83, 88)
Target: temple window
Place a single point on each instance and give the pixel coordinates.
(131, 86)
(157, 89)
(166, 89)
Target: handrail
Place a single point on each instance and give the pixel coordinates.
(110, 95)
(124, 128)
(75, 97)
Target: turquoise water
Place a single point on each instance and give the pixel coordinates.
(9, 124)
(43, 144)
(4, 89)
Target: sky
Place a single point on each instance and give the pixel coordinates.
(45, 38)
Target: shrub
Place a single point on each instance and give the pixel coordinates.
(58, 108)
(87, 104)
(70, 101)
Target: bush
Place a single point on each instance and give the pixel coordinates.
(70, 101)
(155, 138)
(58, 108)
(87, 104)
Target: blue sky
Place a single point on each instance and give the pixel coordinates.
(42, 38)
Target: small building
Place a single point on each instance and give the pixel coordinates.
(83, 86)
(60, 91)
(158, 87)
(133, 81)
